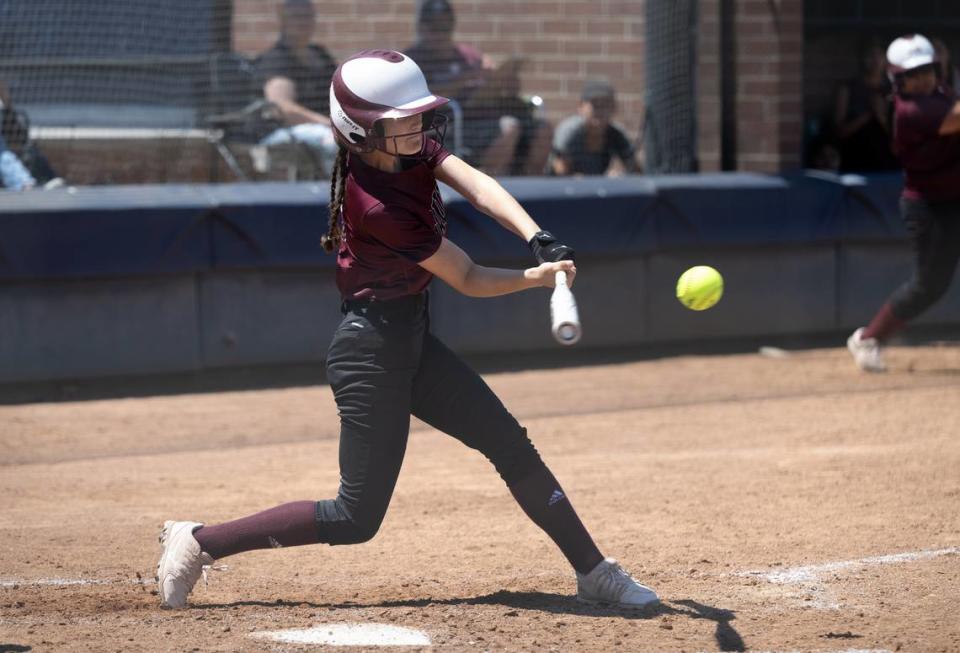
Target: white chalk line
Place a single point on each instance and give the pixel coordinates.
(14, 583)
(809, 577)
(812, 572)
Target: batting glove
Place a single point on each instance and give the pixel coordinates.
(547, 250)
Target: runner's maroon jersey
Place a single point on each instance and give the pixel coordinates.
(931, 163)
(391, 222)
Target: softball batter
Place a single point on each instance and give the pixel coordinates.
(387, 225)
(927, 140)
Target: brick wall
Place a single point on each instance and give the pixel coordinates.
(565, 41)
(769, 72)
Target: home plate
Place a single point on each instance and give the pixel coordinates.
(350, 635)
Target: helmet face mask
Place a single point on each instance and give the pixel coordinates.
(376, 85)
(433, 125)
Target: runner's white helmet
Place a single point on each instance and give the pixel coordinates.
(373, 85)
(909, 52)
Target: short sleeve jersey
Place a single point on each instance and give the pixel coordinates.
(392, 221)
(312, 78)
(931, 162)
(569, 141)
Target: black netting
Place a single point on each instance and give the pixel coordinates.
(670, 128)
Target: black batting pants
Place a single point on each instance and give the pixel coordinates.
(935, 235)
(384, 365)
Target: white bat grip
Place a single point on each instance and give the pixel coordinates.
(564, 317)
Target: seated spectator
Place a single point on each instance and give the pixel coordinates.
(501, 133)
(948, 73)
(13, 174)
(861, 115)
(295, 75)
(15, 137)
(589, 143)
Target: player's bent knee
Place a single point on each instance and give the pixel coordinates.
(358, 533)
(928, 293)
(339, 524)
(349, 532)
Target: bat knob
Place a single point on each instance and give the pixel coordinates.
(567, 333)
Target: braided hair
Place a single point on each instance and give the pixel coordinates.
(331, 240)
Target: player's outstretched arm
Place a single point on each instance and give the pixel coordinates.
(487, 195)
(458, 270)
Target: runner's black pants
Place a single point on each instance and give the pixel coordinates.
(935, 235)
(384, 365)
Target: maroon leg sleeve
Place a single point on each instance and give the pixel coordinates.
(290, 524)
(544, 501)
(884, 324)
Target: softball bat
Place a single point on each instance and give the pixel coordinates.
(564, 318)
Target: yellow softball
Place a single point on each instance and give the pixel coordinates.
(700, 287)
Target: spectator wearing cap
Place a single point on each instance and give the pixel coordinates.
(589, 143)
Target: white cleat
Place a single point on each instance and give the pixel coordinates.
(181, 563)
(609, 583)
(866, 352)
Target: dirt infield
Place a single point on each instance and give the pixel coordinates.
(775, 504)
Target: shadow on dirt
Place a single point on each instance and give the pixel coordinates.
(541, 601)
(941, 371)
(728, 639)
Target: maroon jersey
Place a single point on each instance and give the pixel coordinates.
(391, 222)
(931, 163)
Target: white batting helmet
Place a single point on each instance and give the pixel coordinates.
(909, 52)
(373, 85)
